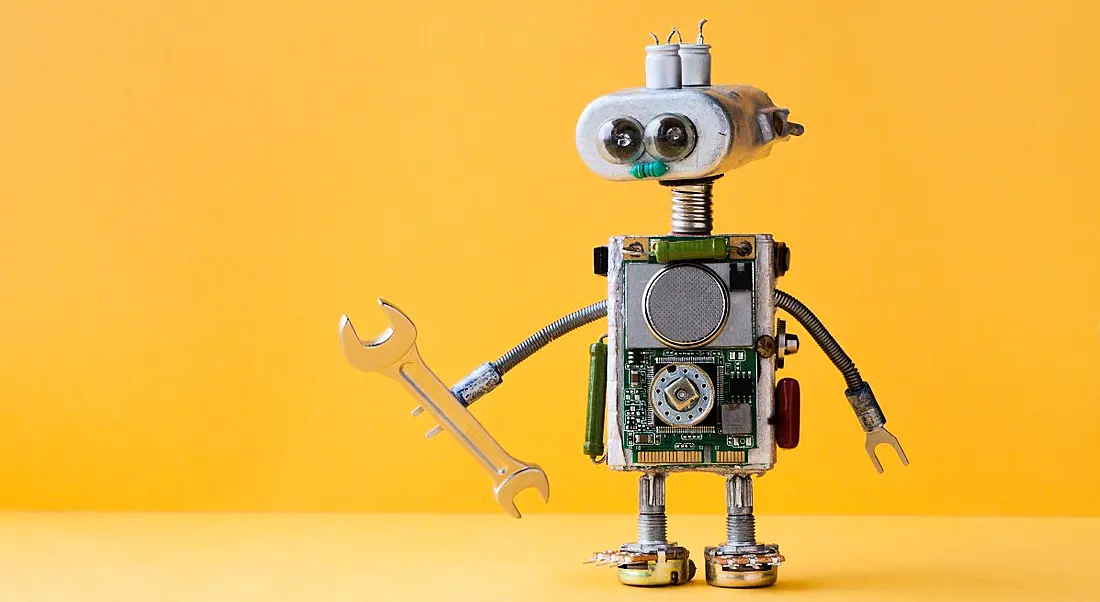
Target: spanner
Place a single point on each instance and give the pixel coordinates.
(394, 354)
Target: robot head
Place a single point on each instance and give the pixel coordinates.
(679, 127)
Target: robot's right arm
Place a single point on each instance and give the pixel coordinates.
(489, 375)
(394, 354)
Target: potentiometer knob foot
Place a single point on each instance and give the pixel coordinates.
(753, 566)
(667, 565)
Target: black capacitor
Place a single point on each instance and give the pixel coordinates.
(599, 261)
(741, 276)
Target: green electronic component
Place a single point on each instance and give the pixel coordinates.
(729, 431)
(652, 169)
(597, 398)
(697, 405)
(682, 250)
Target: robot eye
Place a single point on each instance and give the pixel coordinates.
(670, 137)
(620, 140)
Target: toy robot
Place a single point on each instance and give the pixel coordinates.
(684, 379)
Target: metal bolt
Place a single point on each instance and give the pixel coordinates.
(766, 346)
(790, 344)
(781, 259)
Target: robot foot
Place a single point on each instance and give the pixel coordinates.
(646, 566)
(743, 566)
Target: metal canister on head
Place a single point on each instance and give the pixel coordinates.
(695, 65)
(662, 66)
(695, 61)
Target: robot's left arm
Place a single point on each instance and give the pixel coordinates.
(859, 393)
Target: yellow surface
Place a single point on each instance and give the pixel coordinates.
(214, 557)
(193, 192)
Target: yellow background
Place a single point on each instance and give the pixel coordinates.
(246, 557)
(193, 192)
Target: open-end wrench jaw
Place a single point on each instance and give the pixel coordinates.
(532, 477)
(383, 351)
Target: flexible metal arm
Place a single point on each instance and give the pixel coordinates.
(859, 393)
(487, 376)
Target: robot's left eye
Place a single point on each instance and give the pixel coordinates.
(670, 137)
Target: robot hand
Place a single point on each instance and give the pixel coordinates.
(870, 415)
(878, 436)
(394, 354)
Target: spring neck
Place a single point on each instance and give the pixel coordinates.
(692, 214)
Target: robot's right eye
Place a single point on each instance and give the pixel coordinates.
(620, 140)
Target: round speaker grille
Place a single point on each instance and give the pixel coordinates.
(686, 305)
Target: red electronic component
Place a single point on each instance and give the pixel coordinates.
(787, 418)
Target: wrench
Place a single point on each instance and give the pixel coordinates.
(394, 354)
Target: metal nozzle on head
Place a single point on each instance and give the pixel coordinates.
(783, 127)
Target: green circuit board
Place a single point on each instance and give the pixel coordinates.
(727, 433)
(729, 429)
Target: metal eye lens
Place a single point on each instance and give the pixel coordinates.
(621, 140)
(670, 137)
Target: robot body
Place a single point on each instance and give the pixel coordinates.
(688, 389)
(686, 380)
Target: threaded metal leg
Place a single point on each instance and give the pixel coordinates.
(691, 208)
(652, 522)
(740, 522)
(652, 528)
(741, 530)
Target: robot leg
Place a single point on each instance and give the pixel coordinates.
(741, 562)
(652, 560)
